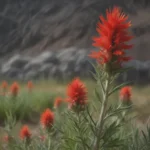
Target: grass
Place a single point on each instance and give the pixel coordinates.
(28, 106)
(45, 91)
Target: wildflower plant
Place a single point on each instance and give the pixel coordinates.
(77, 95)
(47, 119)
(87, 131)
(91, 124)
(14, 89)
(25, 135)
(112, 44)
(4, 87)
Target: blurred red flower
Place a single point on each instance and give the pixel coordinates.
(113, 35)
(42, 137)
(58, 102)
(77, 93)
(4, 85)
(47, 118)
(125, 94)
(30, 85)
(7, 138)
(14, 89)
(25, 133)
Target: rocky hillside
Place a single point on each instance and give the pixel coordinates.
(33, 26)
(48, 29)
(65, 64)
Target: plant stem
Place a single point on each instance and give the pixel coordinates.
(49, 141)
(79, 130)
(100, 122)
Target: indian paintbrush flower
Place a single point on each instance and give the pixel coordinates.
(14, 89)
(125, 95)
(112, 40)
(58, 101)
(47, 119)
(25, 134)
(4, 85)
(77, 94)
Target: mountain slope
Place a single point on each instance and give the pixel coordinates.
(34, 26)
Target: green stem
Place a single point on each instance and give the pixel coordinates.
(100, 122)
(122, 119)
(49, 142)
(79, 130)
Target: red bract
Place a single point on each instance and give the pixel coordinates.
(58, 102)
(77, 93)
(125, 94)
(14, 89)
(113, 35)
(47, 118)
(25, 133)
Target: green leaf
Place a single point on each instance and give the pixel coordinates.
(119, 87)
(97, 94)
(123, 70)
(94, 75)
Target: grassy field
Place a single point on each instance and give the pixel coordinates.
(28, 106)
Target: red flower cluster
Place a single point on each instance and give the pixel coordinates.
(125, 94)
(14, 89)
(113, 35)
(25, 133)
(58, 102)
(77, 93)
(47, 118)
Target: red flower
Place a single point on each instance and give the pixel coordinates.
(125, 94)
(113, 35)
(30, 85)
(58, 102)
(47, 118)
(7, 138)
(4, 85)
(14, 89)
(77, 93)
(25, 133)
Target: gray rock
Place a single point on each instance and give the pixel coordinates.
(38, 62)
(54, 72)
(31, 75)
(66, 55)
(67, 63)
(45, 69)
(16, 62)
(12, 73)
(45, 57)
(32, 66)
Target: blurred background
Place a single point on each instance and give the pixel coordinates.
(52, 38)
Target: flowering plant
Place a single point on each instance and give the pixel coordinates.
(94, 124)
